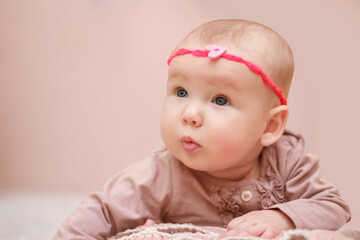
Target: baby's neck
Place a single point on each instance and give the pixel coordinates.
(236, 174)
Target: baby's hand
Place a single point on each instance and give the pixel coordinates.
(265, 224)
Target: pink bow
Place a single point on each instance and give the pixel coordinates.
(215, 51)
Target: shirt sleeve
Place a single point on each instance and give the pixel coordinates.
(313, 203)
(141, 192)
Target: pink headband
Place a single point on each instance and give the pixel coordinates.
(215, 52)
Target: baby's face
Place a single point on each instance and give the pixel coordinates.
(214, 114)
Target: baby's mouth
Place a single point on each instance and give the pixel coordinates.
(189, 144)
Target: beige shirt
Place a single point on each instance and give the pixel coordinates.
(162, 188)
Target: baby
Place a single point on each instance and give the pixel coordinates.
(228, 160)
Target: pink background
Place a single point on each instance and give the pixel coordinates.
(82, 84)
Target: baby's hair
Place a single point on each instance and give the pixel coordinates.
(253, 41)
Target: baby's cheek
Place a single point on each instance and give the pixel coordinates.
(167, 127)
(224, 139)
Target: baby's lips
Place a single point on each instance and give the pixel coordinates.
(189, 144)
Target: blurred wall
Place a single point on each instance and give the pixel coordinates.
(82, 84)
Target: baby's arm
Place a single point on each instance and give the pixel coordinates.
(312, 203)
(128, 200)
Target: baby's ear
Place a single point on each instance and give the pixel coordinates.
(275, 127)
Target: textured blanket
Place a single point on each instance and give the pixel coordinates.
(191, 232)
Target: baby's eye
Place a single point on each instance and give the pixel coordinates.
(181, 93)
(221, 101)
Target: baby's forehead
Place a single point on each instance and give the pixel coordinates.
(221, 76)
(220, 72)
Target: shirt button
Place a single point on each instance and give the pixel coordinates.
(246, 196)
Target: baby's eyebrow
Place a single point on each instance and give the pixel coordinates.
(173, 74)
(224, 81)
(176, 75)
(219, 81)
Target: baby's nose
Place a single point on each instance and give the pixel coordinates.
(194, 122)
(193, 116)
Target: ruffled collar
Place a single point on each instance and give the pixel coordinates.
(239, 197)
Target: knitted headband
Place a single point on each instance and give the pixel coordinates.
(215, 52)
